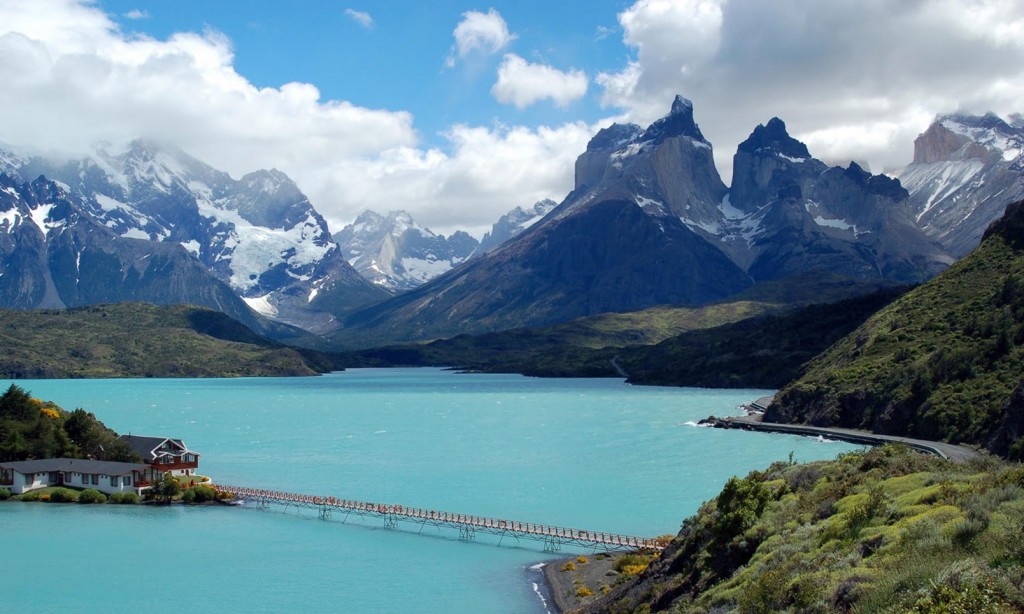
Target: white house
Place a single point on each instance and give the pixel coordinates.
(105, 476)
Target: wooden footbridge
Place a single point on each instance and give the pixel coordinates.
(467, 525)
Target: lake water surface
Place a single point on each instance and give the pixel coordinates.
(593, 454)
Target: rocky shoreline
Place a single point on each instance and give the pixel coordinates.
(576, 581)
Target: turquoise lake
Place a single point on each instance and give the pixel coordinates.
(591, 454)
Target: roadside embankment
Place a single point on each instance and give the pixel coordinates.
(754, 422)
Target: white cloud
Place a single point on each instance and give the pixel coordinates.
(522, 83)
(856, 79)
(360, 17)
(479, 32)
(489, 171)
(72, 79)
(136, 14)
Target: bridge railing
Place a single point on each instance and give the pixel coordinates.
(437, 516)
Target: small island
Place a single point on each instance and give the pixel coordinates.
(49, 454)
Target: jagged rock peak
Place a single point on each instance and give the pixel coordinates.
(876, 184)
(681, 105)
(773, 137)
(614, 136)
(678, 122)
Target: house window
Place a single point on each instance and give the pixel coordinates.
(28, 479)
(127, 480)
(67, 477)
(113, 481)
(95, 478)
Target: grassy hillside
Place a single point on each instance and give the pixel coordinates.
(142, 340)
(888, 530)
(943, 362)
(767, 351)
(739, 344)
(562, 349)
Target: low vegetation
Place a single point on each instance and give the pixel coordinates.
(878, 531)
(142, 340)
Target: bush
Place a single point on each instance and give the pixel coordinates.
(115, 498)
(30, 496)
(569, 566)
(129, 498)
(188, 495)
(91, 495)
(63, 495)
(204, 493)
(583, 591)
(4, 494)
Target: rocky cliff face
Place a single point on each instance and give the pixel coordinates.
(966, 169)
(259, 234)
(667, 170)
(396, 253)
(788, 213)
(54, 254)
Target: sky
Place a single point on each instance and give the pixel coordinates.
(457, 112)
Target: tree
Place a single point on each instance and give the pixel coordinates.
(165, 490)
(16, 403)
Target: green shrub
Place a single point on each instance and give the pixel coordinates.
(63, 495)
(189, 495)
(4, 494)
(30, 496)
(115, 498)
(204, 493)
(962, 587)
(91, 495)
(130, 498)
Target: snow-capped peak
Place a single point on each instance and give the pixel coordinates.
(395, 252)
(988, 130)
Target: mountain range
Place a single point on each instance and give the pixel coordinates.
(54, 254)
(259, 234)
(396, 253)
(649, 222)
